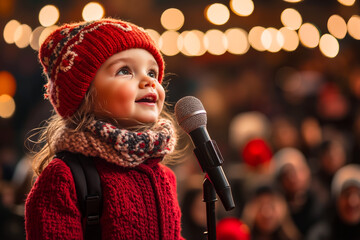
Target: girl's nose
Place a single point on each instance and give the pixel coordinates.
(147, 81)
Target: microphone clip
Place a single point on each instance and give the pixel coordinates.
(210, 153)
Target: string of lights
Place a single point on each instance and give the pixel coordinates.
(295, 32)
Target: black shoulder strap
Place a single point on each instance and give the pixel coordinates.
(88, 190)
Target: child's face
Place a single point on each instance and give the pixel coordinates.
(127, 88)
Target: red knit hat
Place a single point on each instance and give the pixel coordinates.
(73, 53)
(256, 152)
(232, 229)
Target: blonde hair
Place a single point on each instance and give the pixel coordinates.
(77, 123)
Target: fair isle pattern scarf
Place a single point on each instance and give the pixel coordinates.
(120, 146)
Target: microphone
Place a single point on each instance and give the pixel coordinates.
(191, 116)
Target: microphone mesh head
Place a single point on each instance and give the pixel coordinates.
(190, 113)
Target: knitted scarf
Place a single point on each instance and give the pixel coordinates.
(120, 146)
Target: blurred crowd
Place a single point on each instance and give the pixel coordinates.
(290, 140)
(289, 132)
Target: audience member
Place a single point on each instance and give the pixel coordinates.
(255, 169)
(267, 215)
(294, 180)
(332, 155)
(344, 221)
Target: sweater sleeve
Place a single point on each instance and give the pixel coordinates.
(51, 210)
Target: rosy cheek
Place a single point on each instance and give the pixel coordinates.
(117, 99)
(161, 93)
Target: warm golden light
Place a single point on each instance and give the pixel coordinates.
(7, 106)
(7, 83)
(181, 43)
(168, 43)
(45, 33)
(292, 1)
(237, 40)
(291, 39)
(34, 37)
(22, 36)
(200, 35)
(309, 35)
(190, 43)
(242, 7)
(9, 31)
(337, 26)
(172, 19)
(353, 26)
(255, 38)
(272, 40)
(329, 46)
(154, 36)
(93, 11)
(291, 18)
(49, 15)
(215, 42)
(347, 2)
(217, 14)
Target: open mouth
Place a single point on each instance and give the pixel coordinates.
(149, 98)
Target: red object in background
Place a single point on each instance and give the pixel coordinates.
(232, 229)
(331, 103)
(256, 152)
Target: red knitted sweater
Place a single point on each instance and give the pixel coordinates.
(139, 203)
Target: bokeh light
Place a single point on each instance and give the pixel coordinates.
(93, 11)
(272, 40)
(353, 26)
(49, 15)
(347, 2)
(242, 7)
(181, 43)
(237, 40)
(337, 26)
(9, 31)
(154, 36)
(215, 42)
(168, 43)
(217, 13)
(291, 39)
(35, 36)
(191, 43)
(22, 36)
(7, 8)
(291, 18)
(329, 46)
(7, 83)
(309, 35)
(172, 19)
(45, 33)
(7, 106)
(255, 38)
(292, 1)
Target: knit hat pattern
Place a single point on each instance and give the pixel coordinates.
(72, 54)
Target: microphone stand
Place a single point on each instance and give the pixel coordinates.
(209, 195)
(210, 160)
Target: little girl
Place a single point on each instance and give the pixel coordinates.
(104, 82)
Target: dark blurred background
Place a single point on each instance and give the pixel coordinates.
(285, 73)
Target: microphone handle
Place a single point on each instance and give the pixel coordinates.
(199, 136)
(210, 160)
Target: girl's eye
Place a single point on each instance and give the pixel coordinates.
(152, 74)
(124, 71)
